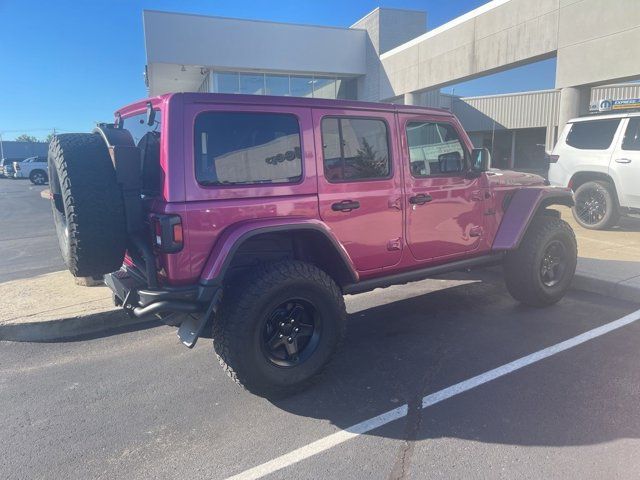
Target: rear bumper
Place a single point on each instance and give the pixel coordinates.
(133, 293)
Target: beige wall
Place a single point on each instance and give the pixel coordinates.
(596, 42)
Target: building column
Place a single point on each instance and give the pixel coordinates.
(574, 102)
(412, 98)
(512, 161)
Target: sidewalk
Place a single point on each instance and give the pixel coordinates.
(51, 306)
(609, 261)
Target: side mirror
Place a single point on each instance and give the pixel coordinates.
(450, 162)
(480, 159)
(151, 115)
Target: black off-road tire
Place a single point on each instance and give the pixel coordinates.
(87, 204)
(523, 267)
(38, 179)
(238, 327)
(603, 191)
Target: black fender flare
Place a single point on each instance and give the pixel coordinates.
(524, 205)
(225, 248)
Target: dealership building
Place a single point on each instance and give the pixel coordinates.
(390, 56)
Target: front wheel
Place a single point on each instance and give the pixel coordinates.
(540, 271)
(278, 327)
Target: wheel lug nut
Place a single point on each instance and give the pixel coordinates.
(290, 339)
(282, 324)
(292, 320)
(296, 329)
(280, 336)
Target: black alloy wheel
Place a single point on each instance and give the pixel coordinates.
(278, 325)
(291, 333)
(554, 263)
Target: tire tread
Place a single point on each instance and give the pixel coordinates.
(238, 303)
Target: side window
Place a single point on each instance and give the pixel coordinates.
(592, 134)
(355, 149)
(247, 148)
(632, 135)
(434, 149)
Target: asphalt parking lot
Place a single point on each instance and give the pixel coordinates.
(27, 239)
(137, 404)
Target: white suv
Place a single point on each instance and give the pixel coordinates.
(599, 158)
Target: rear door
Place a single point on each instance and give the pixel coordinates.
(359, 184)
(445, 216)
(625, 164)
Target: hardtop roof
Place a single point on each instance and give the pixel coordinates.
(605, 116)
(268, 100)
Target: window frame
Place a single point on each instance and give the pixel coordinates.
(356, 117)
(601, 120)
(624, 135)
(466, 154)
(246, 185)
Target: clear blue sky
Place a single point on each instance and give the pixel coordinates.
(68, 64)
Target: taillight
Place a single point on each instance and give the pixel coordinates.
(554, 158)
(167, 233)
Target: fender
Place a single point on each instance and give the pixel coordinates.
(524, 205)
(231, 239)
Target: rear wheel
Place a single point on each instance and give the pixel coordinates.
(87, 204)
(38, 177)
(595, 205)
(540, 271)
(278, 327)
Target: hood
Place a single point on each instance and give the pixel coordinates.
(511, 178)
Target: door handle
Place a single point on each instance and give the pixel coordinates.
(623, 160)
(420, 199)
(345, 206)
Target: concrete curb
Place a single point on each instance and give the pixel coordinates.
(628, 290)
(68, 328)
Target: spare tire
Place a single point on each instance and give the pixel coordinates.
(87, 204)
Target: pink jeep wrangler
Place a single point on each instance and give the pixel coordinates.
(249, 218)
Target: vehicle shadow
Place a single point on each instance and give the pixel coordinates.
(397, 353)
(76, 329)
(628, 224)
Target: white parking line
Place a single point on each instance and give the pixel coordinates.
(342, 436)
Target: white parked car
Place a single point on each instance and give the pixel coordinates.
(33, 168)
(598, 157)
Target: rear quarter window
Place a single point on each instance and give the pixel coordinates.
(246, 148)
(592, 135)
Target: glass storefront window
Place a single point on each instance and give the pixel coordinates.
(277, 85)
(346, 88)
(301, 86)
(284, 85)
(252, 84)
(226, 82)
(324, 87)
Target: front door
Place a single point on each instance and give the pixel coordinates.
(625, 164)
(444, 203)
(359, 184)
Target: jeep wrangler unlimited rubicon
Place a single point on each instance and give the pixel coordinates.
(249, 218)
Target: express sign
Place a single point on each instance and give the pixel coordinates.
(610, 105)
